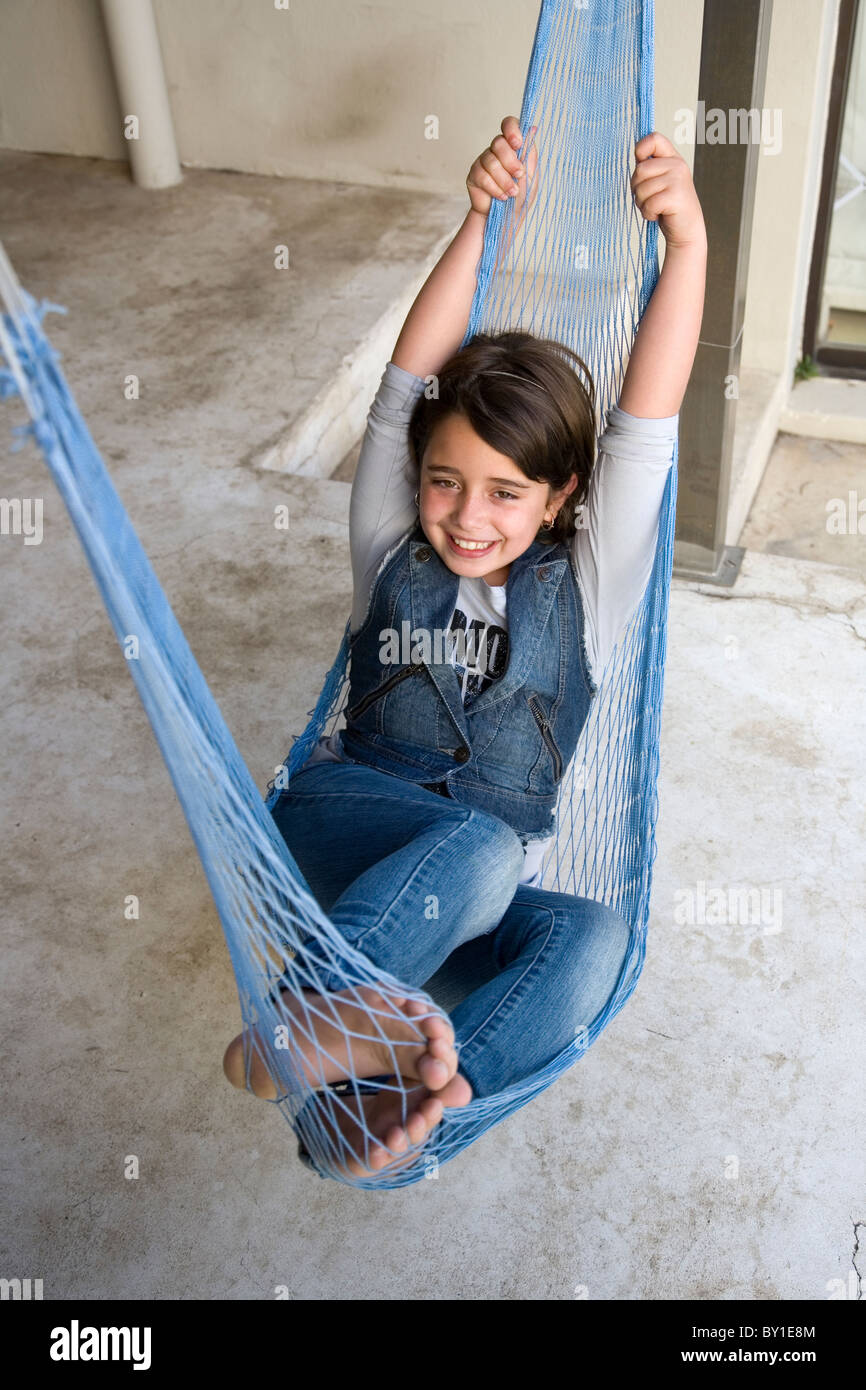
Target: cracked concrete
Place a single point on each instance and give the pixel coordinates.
(710, 1145)
(857, 1225)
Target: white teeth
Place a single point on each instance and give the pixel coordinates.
(471, 545)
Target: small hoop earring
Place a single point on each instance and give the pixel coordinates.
(416, 500)
(548, 525)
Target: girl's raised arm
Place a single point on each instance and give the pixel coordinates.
(436, 324)
(667, 337)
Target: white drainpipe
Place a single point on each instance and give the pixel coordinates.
(138, 70)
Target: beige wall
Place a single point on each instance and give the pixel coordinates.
(330, 89)
(338, 90)
(56, 90)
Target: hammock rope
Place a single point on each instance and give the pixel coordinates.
(581, 269)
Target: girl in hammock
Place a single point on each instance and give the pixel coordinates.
(494, 568)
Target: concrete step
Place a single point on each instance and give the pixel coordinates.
(827, 408)
(180, 287)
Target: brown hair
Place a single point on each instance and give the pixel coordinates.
(541, 415)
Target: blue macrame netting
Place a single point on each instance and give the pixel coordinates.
(581, 269)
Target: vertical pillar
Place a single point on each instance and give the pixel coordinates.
(134, 43)
(734, 48)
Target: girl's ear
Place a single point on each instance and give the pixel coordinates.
(563, 492)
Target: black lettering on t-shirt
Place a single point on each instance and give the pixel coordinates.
(480, 652)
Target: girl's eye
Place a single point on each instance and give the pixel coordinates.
(449, 482)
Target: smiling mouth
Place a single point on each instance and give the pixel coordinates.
(469, 547)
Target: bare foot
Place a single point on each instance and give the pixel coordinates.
(357, 1154)
(334, 1036)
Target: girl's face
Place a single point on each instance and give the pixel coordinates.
(471, 493)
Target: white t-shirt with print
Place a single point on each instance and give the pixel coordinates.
(479, 628)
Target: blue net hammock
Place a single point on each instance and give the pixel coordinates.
(580, 269)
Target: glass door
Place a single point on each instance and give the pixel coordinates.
(835, 325)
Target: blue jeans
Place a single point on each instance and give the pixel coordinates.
(410, 877)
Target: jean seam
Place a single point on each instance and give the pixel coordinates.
(467, 1045)
(346, 795)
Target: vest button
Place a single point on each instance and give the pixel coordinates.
(422, 553)
(462, 754)
(543, 572)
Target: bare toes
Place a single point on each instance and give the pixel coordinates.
(397, 1138)
(416, 1128)
(397, 1142)
(457, 1092)
(443, 1048)
(434, 1073)
(434, 1026)
(432, 1109)
(424, 1118)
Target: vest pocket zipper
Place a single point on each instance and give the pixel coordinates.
(544, 726)
(383, 689)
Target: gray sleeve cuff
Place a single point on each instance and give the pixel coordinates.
(398, 391)
(642, 440)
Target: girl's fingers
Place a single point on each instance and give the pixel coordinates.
(655, 145)
(649, 187)
(511, 130)
(505, 181)
(513, 134)
(487, 182)
(506, 154)
(499, 172)
(652, 169)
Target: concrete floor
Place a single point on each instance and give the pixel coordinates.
(803, 508)
(711, 1143)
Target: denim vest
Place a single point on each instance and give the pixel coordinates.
(506, 750)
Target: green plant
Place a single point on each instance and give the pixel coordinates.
(805, 369)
